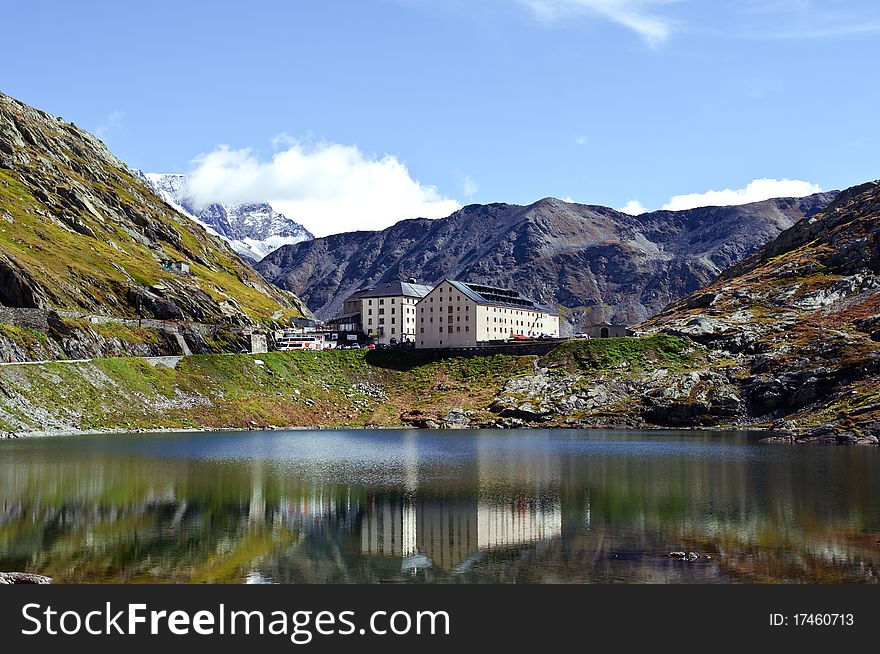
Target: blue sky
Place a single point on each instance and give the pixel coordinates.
(357, 113)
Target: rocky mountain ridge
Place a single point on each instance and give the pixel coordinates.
(594, 262)
(800, 320)
(82, 233)
(787, 340)
(252, 229)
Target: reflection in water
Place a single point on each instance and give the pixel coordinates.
(450, 534)
(302, 507)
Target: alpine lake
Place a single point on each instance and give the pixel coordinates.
(419, 506)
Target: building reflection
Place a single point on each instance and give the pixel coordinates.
(446, 533)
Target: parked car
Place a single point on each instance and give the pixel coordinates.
(519, 337)
(371, 347)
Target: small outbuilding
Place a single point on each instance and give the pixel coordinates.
(608, 330)
(179, 267)
(259, 344)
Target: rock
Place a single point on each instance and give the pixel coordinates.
(457, 419)
(697, 398)
(701, 300)
(684, 556)
(9, 578)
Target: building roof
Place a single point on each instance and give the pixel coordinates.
(392, 289)
(501, 297)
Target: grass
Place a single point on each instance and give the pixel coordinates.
(77, 272)
(278, 388)
(24, 336)
(605, 354)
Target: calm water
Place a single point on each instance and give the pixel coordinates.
(422, 506)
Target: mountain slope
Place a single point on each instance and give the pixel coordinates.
(253, 230)
(800, 321)
(595, 262)
(80, 231)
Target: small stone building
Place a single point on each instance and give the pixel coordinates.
(608, 330)
(259, 344)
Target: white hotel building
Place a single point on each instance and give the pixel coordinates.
(388, 310)
(458, 314)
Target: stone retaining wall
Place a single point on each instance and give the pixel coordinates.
(538, 348)
(29, 318)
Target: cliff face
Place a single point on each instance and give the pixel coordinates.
(594, 262)
(81, 232)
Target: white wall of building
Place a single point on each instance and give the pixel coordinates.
(446, 318)
(384, 318)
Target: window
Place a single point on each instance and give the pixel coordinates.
(441, 329)
(458, 329)
(423, 309)
(381, 301)
(422, 332)
(392, 310)
(370, 321)
(423, 320)
(381, 312)
(392, 300)
(392, 320)
(381, 321)
(392, 330)
(467, 328)
(369, 302)
(369, 312)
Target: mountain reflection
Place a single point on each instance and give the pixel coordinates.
(350, 507)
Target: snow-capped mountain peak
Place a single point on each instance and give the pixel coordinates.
(252, 229)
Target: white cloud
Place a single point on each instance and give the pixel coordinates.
(110, 122)
(581, 140)
(640, 16)
(755, 191)
(633, 208)
(328, 187)
(469, 186)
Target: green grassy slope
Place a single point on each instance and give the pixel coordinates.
(80, 231)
